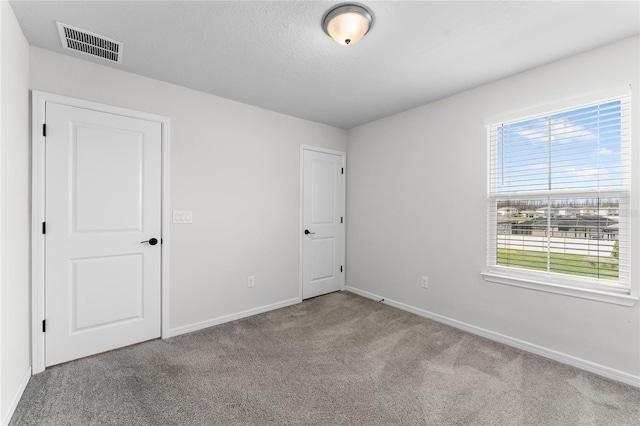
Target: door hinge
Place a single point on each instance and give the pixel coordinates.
(342, 170)
(44, 227)
(341, 220)
(44, 326)
(44, 130)
(340, 268)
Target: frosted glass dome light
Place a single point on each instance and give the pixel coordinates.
(347, 23)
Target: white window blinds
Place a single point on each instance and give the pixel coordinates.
(559, 194)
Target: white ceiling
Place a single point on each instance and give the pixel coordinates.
(274, 54)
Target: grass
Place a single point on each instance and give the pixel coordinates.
(573, 264)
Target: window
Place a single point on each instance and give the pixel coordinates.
(559, 189)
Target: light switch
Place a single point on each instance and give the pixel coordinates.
(182, 216)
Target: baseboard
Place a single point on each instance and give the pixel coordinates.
(232, 317)
(16, 398)
(583, 364)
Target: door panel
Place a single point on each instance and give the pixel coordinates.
(103, 199)
(323, 255)
(322, 212)
(106, 290)
(323, 191)
(109, 163)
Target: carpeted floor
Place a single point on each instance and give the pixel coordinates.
(335, 359)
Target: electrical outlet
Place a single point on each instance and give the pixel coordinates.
(251, 280)
(425, 282)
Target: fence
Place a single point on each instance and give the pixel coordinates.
(579, 246)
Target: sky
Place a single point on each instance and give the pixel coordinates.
(572, 149)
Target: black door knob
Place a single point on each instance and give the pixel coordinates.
(152, 241)
(306, 232)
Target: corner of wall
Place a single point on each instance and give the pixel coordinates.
(15, 289)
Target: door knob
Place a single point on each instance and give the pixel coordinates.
(152, 241)
(306, 232)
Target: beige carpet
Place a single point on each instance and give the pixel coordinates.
(335, 359)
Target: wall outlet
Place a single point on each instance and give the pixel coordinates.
(425, 282)
(251, 280)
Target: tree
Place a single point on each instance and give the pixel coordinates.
(615, 251)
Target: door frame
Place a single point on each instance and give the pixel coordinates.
(343, 156)
(38, 115)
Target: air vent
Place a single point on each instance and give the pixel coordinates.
(89, 43)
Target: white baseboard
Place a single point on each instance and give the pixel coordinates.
(17, 396)
(583, 364)
(232, 317)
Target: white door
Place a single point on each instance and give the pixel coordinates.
(322, 223)
(103, 200)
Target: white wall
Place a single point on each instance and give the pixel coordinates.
(416, 204)
(235, 166)
(14, 212)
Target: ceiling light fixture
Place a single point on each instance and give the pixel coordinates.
(347, 23)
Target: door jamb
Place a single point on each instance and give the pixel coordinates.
(38, 103)
(343, 155)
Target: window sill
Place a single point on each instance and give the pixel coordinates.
(598, 295)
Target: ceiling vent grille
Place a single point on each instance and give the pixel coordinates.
(90, 43)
